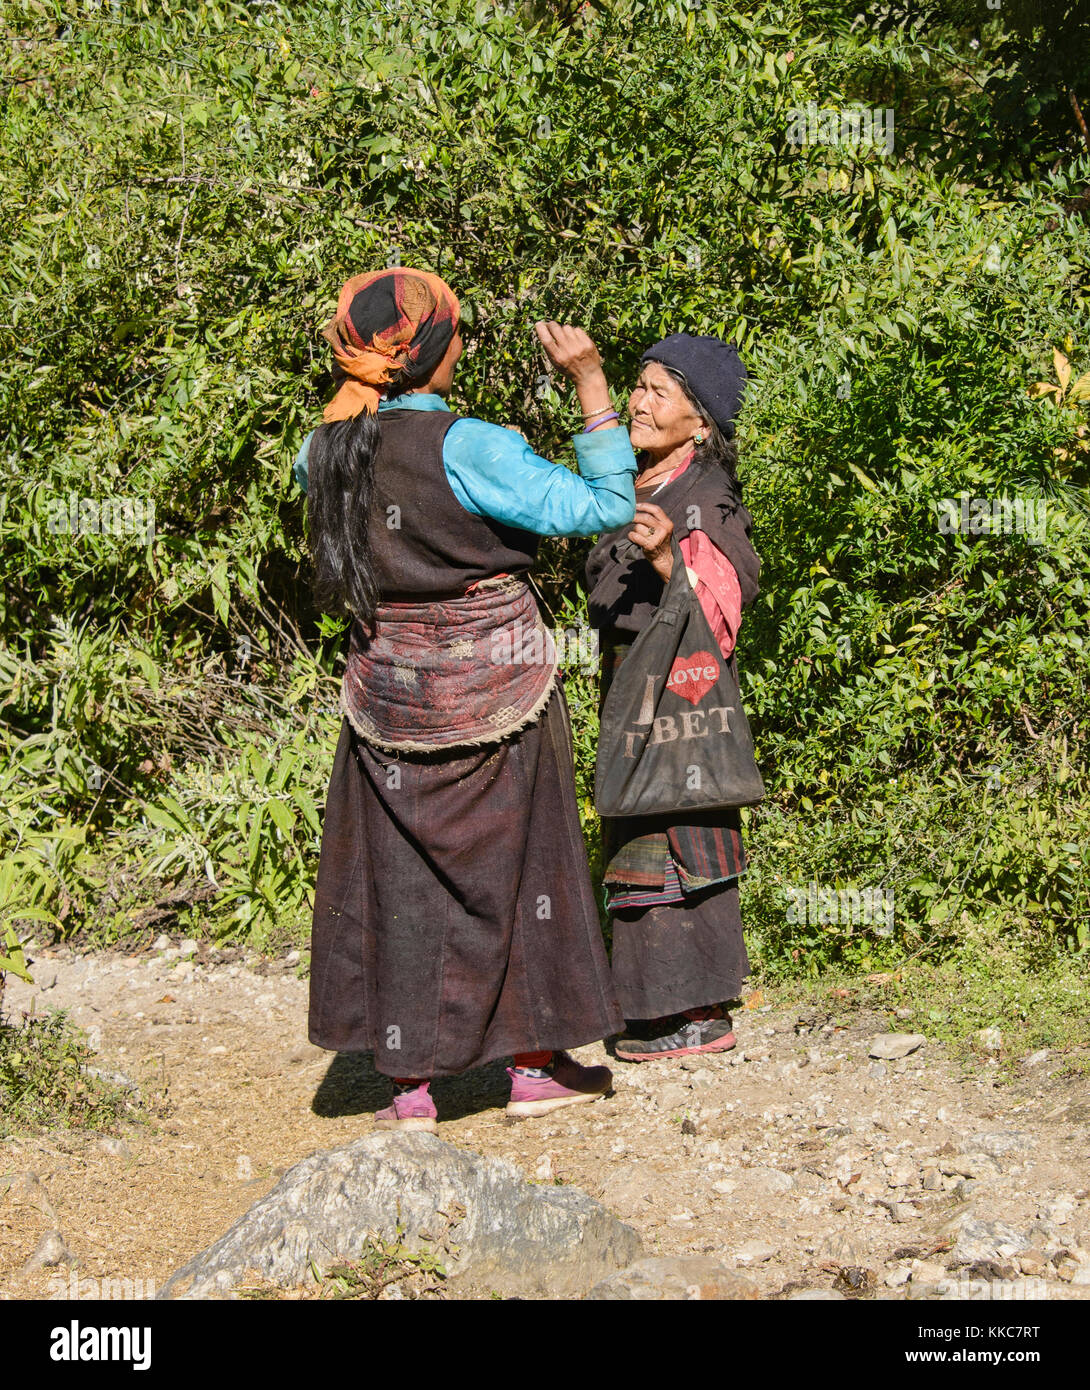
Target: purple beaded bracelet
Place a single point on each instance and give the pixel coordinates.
(613, 415)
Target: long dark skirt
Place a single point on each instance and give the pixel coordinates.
(675, 956)
(682, 955)
(454, 920)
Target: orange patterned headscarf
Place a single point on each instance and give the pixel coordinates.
(388, 320)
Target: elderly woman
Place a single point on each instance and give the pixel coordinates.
(672, 883)
(454, 919)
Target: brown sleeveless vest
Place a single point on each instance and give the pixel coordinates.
(423, 541)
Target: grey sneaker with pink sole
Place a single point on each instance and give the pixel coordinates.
(567, 1083)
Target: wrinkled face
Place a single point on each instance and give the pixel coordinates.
(661, 417)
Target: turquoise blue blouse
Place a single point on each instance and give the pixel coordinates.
(493, 472)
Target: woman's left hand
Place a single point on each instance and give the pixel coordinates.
(651, 531)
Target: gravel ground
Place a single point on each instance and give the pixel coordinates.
(796, 1158)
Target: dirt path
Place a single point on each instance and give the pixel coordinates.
(794, 1161)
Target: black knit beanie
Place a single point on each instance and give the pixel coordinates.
(713, 370)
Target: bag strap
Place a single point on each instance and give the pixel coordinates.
(679, 591)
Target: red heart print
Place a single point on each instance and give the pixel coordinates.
(693, 676)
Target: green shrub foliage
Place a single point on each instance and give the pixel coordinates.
(184, 190)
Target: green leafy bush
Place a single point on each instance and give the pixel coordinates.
(45, 1082)
(184, 192)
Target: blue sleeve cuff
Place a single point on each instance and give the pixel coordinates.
(604, 451)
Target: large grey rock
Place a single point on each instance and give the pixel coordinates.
(513, 1237)
(695, 1277)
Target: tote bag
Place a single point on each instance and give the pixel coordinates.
(673, 735)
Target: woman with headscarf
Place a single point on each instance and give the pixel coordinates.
(454, 920)
(679, 958)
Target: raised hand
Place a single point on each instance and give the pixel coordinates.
(570, 349)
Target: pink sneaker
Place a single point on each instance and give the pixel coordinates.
(567, 1084)
(410, 1110)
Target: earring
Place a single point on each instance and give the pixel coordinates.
(698, 439)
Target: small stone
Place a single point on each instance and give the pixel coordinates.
(217, 1051)
(244, 1168)
(629, 1188)
(116, 1148)
(896, 1277)
(1058, 1211)
(899, 1211)
(842, 1250)
(50, 1251)
(162, 943)
(988, 1039)
(544, 1170)
(890, 1046)
(682, 1218)
(901, 1174)
(725, 1186)
(688, 1277)
(905, 1012)
(997, 1143)
(768, 1180)
(292, 958)
(1035, 1059)
(986, 1240)
(968, 1165)
(673, 1097)
(925, 1272)
(1033, 1263)
(113, 1078)
(704, 1077)
(932, 1180)
(754, 1252)
(876, 1069)
(187, 947)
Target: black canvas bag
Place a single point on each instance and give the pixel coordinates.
(673, 735)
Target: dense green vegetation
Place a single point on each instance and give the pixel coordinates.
(182, 195)
(47, 1080)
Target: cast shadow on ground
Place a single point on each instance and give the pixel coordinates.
(352, 1086)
